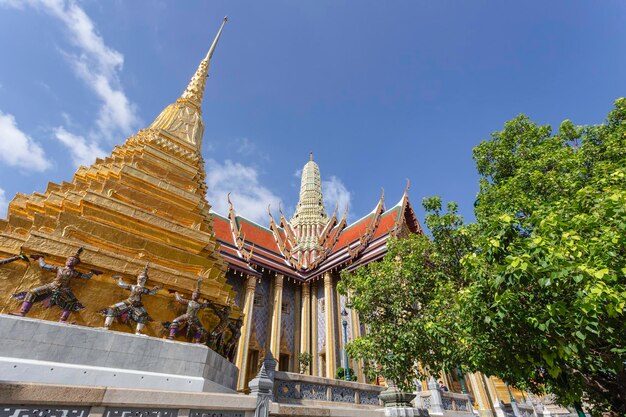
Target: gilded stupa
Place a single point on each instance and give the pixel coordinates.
(146, 202)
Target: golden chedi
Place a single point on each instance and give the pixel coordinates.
(146, 202)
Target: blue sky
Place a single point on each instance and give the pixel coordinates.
(379, 91)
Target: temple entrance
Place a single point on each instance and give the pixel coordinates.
(283, 362)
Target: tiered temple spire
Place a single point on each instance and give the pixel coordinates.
(310, 216)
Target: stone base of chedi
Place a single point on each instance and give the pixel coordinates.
(47, 352)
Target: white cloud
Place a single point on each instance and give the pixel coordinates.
(17, 148)
(335, 193)
(3, 204)
(244, 146)
(97, 64)
(82, 152)
(249, 197)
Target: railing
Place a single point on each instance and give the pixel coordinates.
(28, 400)
(444, 402)
(525, 410)
(456, 402)
(294, 388)
(43, 400)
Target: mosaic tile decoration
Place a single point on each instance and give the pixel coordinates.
(461, 405)
(369, 397)
(261, 311)
(286, 389)
(239, 286)
(313, 392)
(343, 395)
(288, 320)
(43, 411)
(321, 319)
(140, 412)
(211, 413)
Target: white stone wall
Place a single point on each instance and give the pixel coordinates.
(42, 351)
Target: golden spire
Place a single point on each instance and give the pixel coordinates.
(182, 119)
(195, 89)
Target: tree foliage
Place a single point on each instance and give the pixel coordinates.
(534, 291)
(407, 301)
(548, 272)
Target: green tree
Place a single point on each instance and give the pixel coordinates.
(407, 300)
(534, 291)
(547, 298)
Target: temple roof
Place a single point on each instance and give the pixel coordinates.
(250, 247)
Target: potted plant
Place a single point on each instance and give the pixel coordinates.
(304, 360)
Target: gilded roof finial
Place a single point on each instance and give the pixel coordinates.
(217, 38)
(310, 156)
(195, 89)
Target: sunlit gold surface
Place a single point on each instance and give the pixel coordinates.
(146, 202)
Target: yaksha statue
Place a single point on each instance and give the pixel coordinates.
(13, 259)
(216, 337)
(190, 318)
(58, 291)
(131, 308)
(230, 348)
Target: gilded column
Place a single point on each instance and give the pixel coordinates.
(493, 394)
(246, 330)
(331, 326)
(315, 358)
(276, 317)
(447, 381)
(305, 319)
(482, 401)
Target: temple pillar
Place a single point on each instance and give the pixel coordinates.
(277, 317)
(331, 326)
(305, 320)
(480, 395)
(493, 394)
(297, 321)
(447, 381)
(246, 329)
(314, 359)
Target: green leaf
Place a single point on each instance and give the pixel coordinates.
(601, 273)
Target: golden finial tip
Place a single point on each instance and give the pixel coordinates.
(225, 18)
(310, 156)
